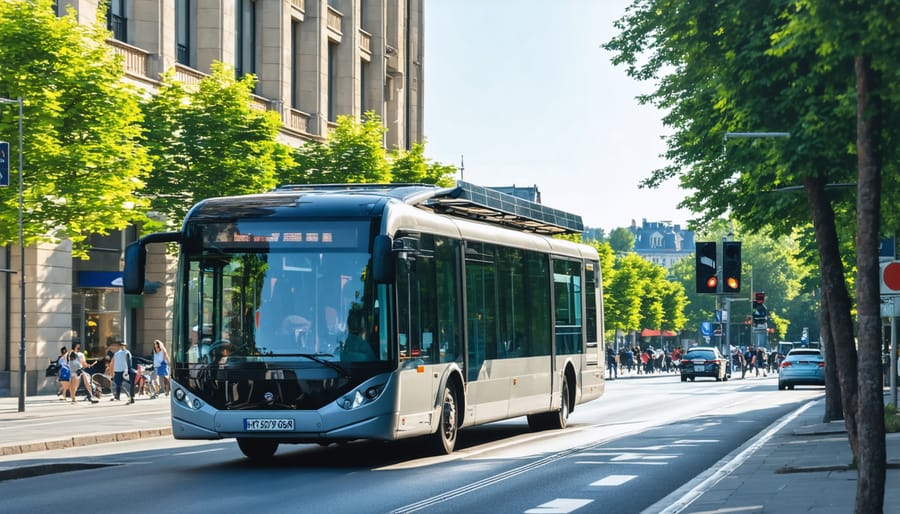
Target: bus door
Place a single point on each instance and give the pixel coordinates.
(428, 319)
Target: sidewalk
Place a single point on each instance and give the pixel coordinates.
(798, 464)
(48, 423)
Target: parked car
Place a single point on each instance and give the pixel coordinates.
(704, 361)
(801, 366)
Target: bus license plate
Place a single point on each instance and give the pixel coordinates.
(268, 425)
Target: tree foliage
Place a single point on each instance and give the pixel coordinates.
(83, 162)
(209, 141)
(621, 239)
(355, 153)
(806, 68)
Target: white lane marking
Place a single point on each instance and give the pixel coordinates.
(628, 462)
(559, 506)
(695, 441)
(613, 480)
(199, 451)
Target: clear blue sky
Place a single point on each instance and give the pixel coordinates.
(523, 90)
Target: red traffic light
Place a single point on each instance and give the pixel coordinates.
(712, 282)
(732, 284)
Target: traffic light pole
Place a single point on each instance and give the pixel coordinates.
(22, 265)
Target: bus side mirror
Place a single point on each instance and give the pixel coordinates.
(136, 260)
(135, 268)
(382, 259)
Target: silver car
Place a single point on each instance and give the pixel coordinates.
(802, 366)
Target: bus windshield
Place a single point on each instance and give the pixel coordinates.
(293, 289)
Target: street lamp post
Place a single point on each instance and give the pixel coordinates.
(21, 266)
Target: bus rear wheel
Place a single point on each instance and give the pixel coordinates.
(258, 450)
(448, 428)
(552, 420)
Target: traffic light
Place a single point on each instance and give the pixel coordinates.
(705, 265)
(731, 267)
(760, 313)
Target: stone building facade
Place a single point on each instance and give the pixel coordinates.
(314, 60)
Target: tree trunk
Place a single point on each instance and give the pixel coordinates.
(834, 288)
(833, 410)
(872, 453)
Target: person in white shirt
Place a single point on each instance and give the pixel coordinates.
(77, 366)
(121, 366)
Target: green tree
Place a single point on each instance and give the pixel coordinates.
(622, 294)
(622, 240)
(412, 167)
(83, 162)
(674, 303)
(811, 69)
(354, 153)
(209, 141)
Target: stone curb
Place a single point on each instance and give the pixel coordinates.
(84, 440)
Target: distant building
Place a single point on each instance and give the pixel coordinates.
(661, 242)
(532, 194)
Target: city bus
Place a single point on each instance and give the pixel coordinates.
(332, 313)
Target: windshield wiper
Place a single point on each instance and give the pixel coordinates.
(316, 357)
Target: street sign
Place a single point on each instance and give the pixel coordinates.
(4, 163)
(890, 278)
(886, 249)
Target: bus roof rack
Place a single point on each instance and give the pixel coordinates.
(466, 200)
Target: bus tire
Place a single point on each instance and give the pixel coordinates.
(257, 450)
(552, 420)
(448, 424)
(560, 419)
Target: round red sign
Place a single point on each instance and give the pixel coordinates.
(891, 276)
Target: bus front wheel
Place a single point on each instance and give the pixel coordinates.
(258, 450)
(445, 437)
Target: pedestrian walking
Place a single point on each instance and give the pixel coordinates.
(160, 377)
(62, 389)
(122, 368)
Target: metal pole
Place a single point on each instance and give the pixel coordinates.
(22, 262)
(893, 357)
(21, 277)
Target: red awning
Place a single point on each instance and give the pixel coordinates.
(649, 332)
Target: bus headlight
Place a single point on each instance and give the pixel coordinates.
(360, 397)
(189, 401)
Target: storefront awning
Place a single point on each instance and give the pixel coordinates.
(99, 279)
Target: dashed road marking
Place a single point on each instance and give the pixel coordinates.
(613, 480)
(559, 506)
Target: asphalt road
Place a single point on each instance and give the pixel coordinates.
(642, 440)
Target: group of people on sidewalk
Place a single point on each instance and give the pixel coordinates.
(116, 368)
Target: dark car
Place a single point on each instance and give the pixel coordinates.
(704, 361)
(802, 366)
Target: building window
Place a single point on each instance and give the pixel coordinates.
(116, 20)
(295, 64)
(363, 83)
(332, 89)
(183, 32)
(245, 32)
